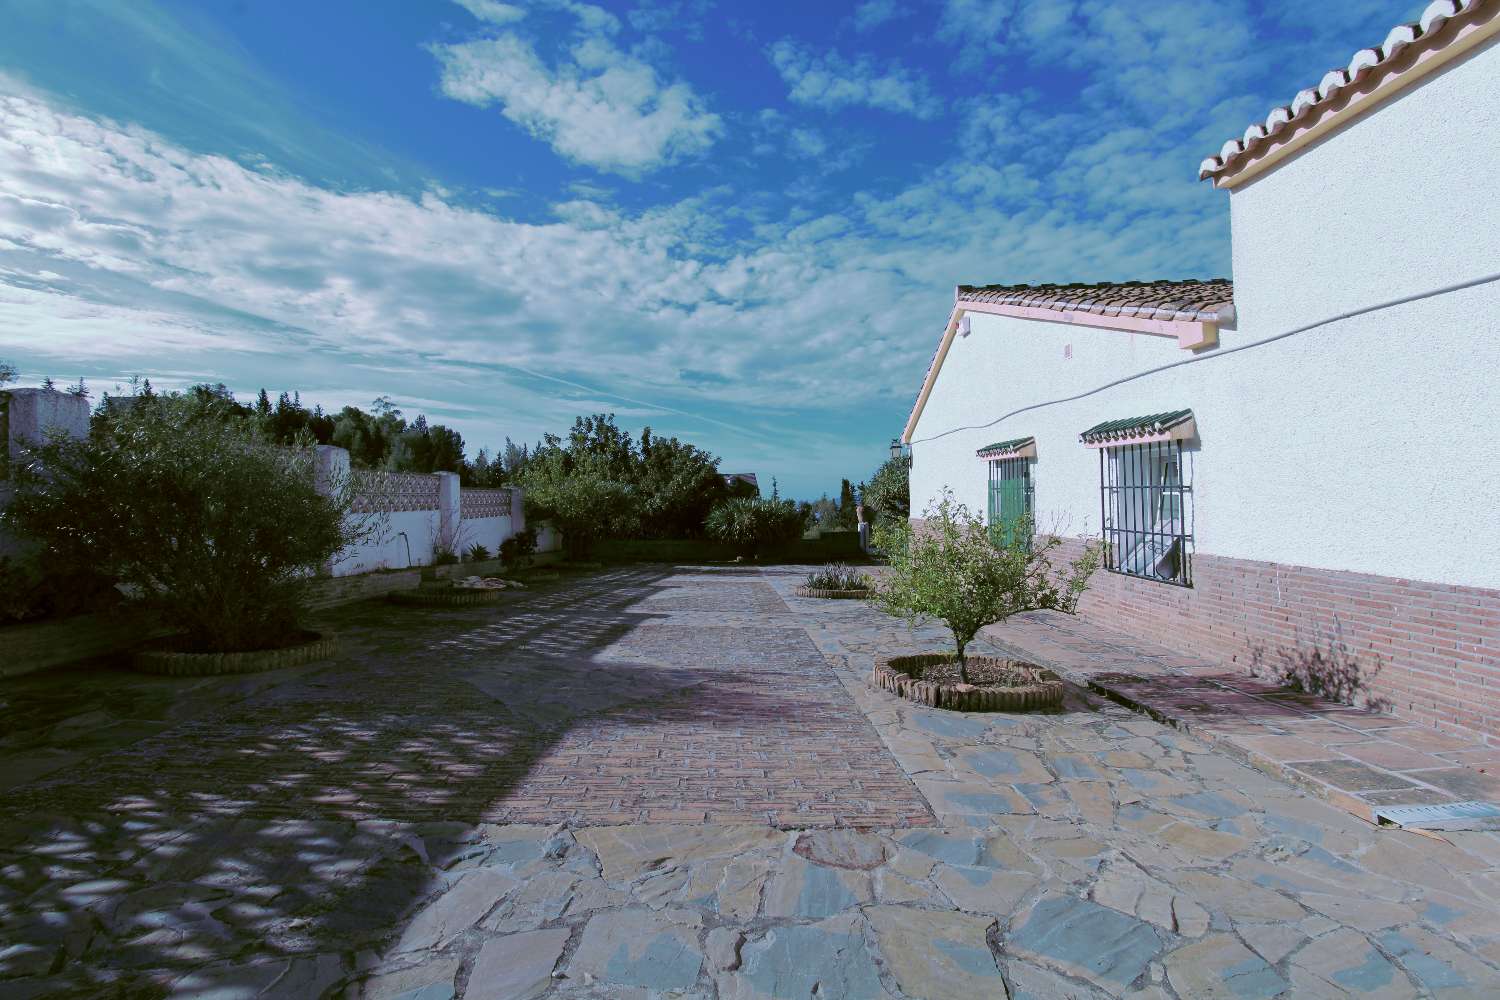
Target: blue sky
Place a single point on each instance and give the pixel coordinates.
(738, 223)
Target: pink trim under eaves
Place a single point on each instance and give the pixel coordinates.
(1190, 334)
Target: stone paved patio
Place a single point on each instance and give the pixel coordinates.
(675, 782)
(1357, 759)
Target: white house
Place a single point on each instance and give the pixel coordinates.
(1298, 470)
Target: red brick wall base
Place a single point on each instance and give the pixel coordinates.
(1427, 652)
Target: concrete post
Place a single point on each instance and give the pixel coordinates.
(517, 511)
(330, 477)
(28, 416)
(331, 469)
(449, 510)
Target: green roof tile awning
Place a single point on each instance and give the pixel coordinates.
(1173, 425)
(1014, 448)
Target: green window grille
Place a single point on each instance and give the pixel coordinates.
(1011, 499)
(1146, 505)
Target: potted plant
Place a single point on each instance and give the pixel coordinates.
(950, 570)
(207, 527)
(836, 581)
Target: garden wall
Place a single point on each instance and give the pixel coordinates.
(409, 518)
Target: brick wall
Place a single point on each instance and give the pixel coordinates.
(1427, 652)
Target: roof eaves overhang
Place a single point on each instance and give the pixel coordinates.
(1373, 77)
(1018, 448)
(1192, 332)
(1177, 425)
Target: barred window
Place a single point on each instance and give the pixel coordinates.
(1146, 507)
(1011, 501)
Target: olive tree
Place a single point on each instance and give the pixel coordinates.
(950, 570)
(201, 522)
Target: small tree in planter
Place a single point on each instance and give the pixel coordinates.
(206, 526)
(952, 571)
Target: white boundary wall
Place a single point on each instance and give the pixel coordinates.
(411, 517)
(1366, 445)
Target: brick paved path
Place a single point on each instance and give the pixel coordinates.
(656, 782)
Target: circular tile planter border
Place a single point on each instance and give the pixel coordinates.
(901, 675)
(446, 597)
(833, 595)
(177, 664)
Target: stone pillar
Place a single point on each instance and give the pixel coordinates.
(517, 510)
(330, 477)
(28, 416)
(331, 469)
(450, 510)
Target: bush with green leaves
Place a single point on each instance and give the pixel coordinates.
(203, 523)
(517, 550)
(951, 571)
(476, 553)
(755, 525)
(889, 491)
(838, 576)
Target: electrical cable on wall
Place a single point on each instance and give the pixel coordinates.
(1225, 352)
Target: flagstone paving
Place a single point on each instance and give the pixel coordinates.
(1354, 757)
(658, 782)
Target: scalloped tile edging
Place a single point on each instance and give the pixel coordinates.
(162, 661)
(544, 576)
(1045, 694)
(447, 597)
(833, 595)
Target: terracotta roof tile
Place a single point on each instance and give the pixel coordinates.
(1423, 31)
(1003, 447)
(1154, 423)
(1190, 300)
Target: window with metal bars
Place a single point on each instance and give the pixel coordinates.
(1146, 507)
(1011, 500)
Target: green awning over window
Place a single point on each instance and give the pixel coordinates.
(1014, 448)
(1169, 426)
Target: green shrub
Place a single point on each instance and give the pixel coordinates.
(889, 492)
(442, 555)
(517, 550)
(200, 521)
(754, 525)
(838, 576)
(31, 588)
(953, 572)
(476, 553)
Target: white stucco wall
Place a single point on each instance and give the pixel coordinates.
(395, 535)
(1366, 445)
(1399, 201)
(486, 531)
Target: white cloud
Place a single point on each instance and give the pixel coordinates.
(805, 142)
(492, 11)
(831, 81)
(873, 13)
(598, 105)
(976, 28)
